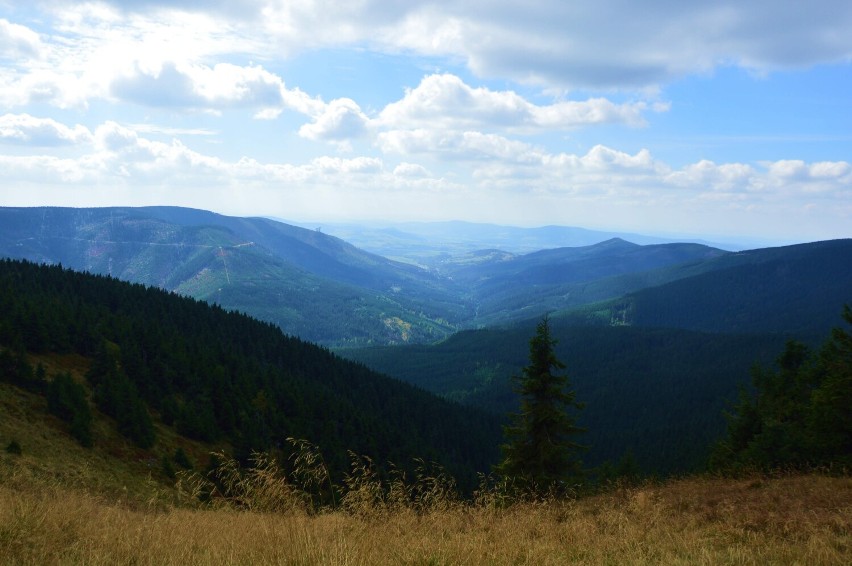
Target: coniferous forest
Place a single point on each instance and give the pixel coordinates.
(219, 377)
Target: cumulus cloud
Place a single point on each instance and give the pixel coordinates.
(446, 100)
(456, 145)
(411, 170)
(337, 165)
(340, 120)
(24, 129)
(820, 177)
(725, 177)
(598, 44)
(200, 87)
(501, 173)
(583, 43)
(112, 136)
(18, 41)
(42, 86)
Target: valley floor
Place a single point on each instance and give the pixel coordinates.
(785, 520)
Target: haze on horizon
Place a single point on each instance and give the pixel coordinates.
(714, 118)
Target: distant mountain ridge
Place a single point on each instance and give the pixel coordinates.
(302, 280)
(326, 290)
(429, 243)
(796, 289)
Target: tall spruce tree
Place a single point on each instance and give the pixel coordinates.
(540, 454)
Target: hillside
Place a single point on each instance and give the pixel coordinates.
(508, 287)
(325, 290)
(309, 284)
(221, 377)
(781, 520)
(797, 289)
(657, 367)
(657, 395)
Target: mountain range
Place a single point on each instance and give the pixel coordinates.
(325, 290)
(657, 337)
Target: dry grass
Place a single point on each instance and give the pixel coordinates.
(63, 504)
(788, 520)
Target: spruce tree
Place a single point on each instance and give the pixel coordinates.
(540, 454)
(799, 415)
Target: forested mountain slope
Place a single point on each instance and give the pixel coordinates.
(508, 287)
(307, 283)
(794, 289)
(325, 290)
(655, 367)
(656, 394)
(223, 377)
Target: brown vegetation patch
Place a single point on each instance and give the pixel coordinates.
(786, 520)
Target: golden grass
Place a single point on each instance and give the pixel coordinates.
(64, 504)
(788, 520)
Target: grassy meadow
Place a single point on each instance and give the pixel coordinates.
(61, 503)
(785, 520)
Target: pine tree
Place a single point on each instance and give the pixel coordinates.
(67, 400)
(540, 454)
(799, 414)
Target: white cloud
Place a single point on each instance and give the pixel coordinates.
(504, 176)
(834, 178)
(410, 170)
(340, 120)
(41, 86)
(597, 44)
(585, 43)
(604, 158)
(830, 170)
(457, 146)
(222, 86)
(114, 149)
(111, 136)
(28, 130)
(727, 177)
(623, 44)
(446, 101)
(18, 41)
(170, 131)
(339, 166)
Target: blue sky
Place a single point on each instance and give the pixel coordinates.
(693, 118)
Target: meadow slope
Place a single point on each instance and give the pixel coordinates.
(787, 520)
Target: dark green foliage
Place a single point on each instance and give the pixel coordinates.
(181, 459)
(16, 369)
(67, 400)
(799, 415)
(745, 292)
(14, 447)
(657, 393)
(830, 415)
(116, 396)
(625, 472)
(167, 467)
(511, 288)
(222, 375)
(541, 452)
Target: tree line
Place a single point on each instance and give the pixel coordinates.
(221, 376)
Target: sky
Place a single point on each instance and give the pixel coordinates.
(700, 118)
